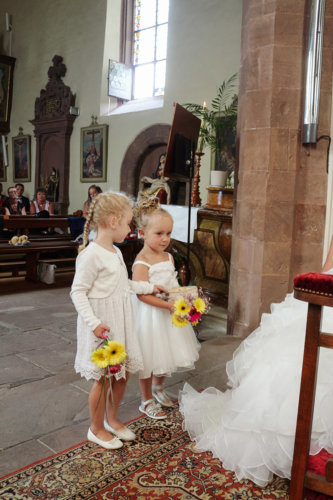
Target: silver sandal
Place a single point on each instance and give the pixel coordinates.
(153, 409)
(161, 396)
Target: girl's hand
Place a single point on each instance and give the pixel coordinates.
(159, 289)
(99, 330)
(170, 304)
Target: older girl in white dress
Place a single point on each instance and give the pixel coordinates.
(101, 295)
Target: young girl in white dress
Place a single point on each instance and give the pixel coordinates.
(251, 427)
(165, 347)
(101, 295)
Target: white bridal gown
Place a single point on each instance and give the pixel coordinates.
(251, 426)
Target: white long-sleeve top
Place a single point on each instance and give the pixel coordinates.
(97, 273)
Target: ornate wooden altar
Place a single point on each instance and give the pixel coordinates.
(53, 128)
(210, 252)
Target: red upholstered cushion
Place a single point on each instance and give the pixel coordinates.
(315, 283)
(317, 464)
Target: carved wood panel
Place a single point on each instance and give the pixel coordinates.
(53, 128)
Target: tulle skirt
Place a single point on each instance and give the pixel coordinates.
(165, 347)
(251, 427)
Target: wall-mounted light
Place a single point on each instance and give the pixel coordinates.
(73, 110)
(4, 150)
(8, 22)
(313, 72)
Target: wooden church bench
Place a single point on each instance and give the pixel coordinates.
(33, 252)
(64, 264)
(12, 267)
(26, 223)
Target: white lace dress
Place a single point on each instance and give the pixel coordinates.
(251, 427)
(165, 347)
(98, 266)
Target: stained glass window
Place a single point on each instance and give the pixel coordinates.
(150, 47)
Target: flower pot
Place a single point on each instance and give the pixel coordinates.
(218, 178)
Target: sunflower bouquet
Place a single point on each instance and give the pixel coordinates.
(110, 356)
(189, 309)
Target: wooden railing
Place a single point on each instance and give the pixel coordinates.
(27, 222)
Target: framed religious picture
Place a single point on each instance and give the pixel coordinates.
(3, 160)
(93, 152)
(21, 157)
(6, 91)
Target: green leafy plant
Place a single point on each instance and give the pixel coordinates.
(218, 124)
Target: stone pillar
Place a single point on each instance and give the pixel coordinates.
(280, 195)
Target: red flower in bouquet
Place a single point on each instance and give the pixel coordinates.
(194, 316)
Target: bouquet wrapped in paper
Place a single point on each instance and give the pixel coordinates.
(189, 304)
(180, 291)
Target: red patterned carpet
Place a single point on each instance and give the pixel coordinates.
(161, 464)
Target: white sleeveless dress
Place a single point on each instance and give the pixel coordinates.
(251, 427)
(165, 347)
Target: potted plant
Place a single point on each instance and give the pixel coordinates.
(218, 127)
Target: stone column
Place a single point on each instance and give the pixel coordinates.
(278, 221)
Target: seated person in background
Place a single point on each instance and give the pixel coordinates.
(12, 205)
(40, 203)
(22, 199)
(3, 200)
(93, 191)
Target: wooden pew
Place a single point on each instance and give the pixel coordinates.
(42, 247)
(32, 253)
(28, 222)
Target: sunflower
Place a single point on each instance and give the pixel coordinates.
(100, 357)
(181, 307)
(200, 305)
(180, 321)
(116, 352)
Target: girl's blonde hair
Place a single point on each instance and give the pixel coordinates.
(145, 208)
(104, 205)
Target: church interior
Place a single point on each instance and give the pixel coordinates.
(69, 121)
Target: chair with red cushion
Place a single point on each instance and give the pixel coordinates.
(317, 290)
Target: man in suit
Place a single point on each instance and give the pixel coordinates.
(23, 199)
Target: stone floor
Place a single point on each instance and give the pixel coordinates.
(43, 403)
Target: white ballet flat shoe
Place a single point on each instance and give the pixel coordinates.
(125, 434)
(113, 444)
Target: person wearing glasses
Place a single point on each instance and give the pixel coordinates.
(13, 206)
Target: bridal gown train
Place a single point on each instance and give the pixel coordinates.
(251, 427)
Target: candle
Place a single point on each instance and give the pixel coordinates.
(204, 107)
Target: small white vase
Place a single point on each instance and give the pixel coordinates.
(218, 178)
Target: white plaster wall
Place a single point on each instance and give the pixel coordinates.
(203, 50)
(73, 29)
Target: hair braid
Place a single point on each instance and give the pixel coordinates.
(87, 224)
